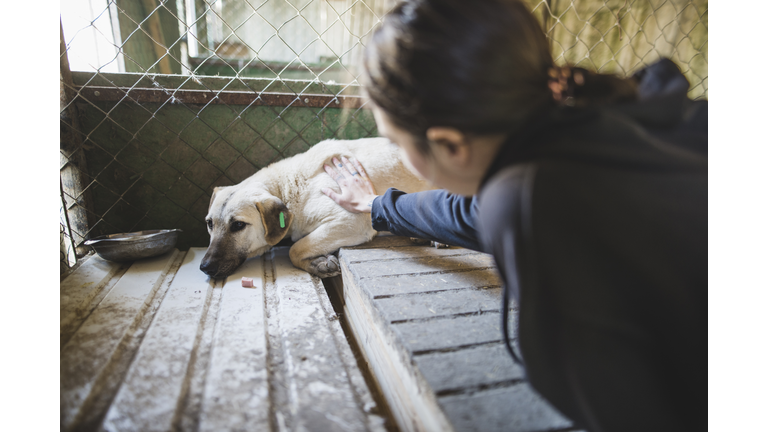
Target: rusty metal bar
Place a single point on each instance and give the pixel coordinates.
(202, 97)
(261, 65)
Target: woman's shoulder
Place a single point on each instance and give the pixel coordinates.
(505, 196)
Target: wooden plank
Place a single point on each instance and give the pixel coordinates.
(90, 274)
(169, 349)
(405, 252)
(517, 408)
(383, 240)
(80, 291)
(209, 83)
(422, 283)
(439, 303)
(152, 396)
(203, 97)
(468, 368)
(93, 353)
(374, 413)
(430, 264)
(451, 332)
(410, 399)
(236, 393)
(318, 396)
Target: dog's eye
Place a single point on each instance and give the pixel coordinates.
(237, 226)
(210, 223)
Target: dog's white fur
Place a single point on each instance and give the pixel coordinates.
(316, 224)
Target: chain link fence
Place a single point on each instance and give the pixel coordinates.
(622, 36)
(163, 100)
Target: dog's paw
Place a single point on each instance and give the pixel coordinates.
(325, 266)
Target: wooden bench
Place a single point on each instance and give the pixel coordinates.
(428, 321)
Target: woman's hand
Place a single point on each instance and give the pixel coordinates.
(357, 191)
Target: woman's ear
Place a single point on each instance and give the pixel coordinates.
(451, 145)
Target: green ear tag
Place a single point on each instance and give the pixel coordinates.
(282, 220)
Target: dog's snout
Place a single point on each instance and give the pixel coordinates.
(209, 267)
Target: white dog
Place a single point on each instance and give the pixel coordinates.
(285, 198)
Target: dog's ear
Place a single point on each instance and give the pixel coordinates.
(213, 196)
(276, 218)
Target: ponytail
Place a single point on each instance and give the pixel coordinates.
(481, 67)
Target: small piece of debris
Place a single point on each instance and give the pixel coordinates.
(247, 282)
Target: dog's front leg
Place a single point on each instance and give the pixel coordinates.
(314, 252)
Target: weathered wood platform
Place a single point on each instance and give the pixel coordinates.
(157, 346)
(428, 321)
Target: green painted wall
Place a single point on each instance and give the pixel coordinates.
(154, 166)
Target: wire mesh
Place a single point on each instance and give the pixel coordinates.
(621, 36)
(164, 100)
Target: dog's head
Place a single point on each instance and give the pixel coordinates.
(242, 222)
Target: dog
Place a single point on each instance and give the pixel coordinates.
(285, 199)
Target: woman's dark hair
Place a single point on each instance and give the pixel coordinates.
(479, 66)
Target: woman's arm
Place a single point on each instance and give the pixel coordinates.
(435, 215)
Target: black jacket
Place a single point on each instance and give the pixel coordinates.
(597, 220)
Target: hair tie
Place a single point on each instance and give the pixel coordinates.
(558, 82)
(559, 78)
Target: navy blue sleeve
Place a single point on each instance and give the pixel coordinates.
(435, 215)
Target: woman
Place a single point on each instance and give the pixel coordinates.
(589, 190)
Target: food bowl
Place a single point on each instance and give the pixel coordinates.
(133, 246)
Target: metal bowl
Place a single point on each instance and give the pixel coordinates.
(133, 246)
